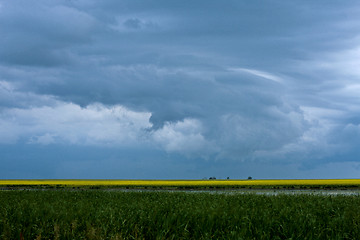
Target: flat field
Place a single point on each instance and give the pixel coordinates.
(98, 214)
(291, 183)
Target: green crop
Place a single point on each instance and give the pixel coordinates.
(175, 215)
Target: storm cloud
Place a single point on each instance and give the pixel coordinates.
(204, 87)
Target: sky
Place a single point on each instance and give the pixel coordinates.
(167, 89)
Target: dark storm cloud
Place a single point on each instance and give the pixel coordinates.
(206, 79)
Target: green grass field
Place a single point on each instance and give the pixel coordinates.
(175, 215)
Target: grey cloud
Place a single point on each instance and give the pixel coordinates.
(136, 24)
(42, 33)
(133, 23)
(172, 94)
(240, 113)
(177, 61)
(11, 97)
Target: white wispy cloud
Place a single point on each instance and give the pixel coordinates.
(258, 73)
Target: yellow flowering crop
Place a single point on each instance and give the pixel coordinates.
(178, 183)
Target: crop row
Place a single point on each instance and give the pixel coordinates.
(300, 183)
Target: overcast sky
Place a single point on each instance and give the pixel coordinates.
(169, 89)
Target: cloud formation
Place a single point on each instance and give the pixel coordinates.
(209, 82)
(67, 123)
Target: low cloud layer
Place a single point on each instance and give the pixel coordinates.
(202, 83)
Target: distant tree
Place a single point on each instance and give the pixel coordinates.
(228, 178)
(212, 178)
(249, 178)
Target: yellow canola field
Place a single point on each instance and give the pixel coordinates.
(176, 183)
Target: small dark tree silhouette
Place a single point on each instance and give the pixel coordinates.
(249, 178)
